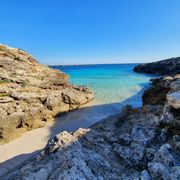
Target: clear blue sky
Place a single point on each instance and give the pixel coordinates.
(92, 31)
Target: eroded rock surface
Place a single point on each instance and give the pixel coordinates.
(132, 145)
(139, 143)
(174, 99)
(165, 67)
(32, 94)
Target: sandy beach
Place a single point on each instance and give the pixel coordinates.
(14, 153)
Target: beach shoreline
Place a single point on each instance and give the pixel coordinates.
(17, 151)
(31, 142)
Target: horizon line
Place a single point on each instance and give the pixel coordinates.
(91, 64)
(88, 64)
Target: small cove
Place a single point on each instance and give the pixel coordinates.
(114, 87)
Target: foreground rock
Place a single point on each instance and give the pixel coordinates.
(132, 145)
(141, 143)
(32, 94)
(164, 67)
(174, 99)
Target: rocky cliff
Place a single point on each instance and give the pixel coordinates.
(139, 143)
(32, 94)
(165, 67)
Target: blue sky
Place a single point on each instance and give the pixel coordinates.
(92, 31)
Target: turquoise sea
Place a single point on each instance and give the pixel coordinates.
(115, 85)
(111, 82)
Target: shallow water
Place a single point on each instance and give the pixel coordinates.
(111, 83)
(114, 87)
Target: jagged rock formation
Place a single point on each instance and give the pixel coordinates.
(32, 94)
(130, 146)
(157, 93)
(165, 67)
(140, 143)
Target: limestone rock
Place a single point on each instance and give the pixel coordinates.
(6, 99)
(176, 142)
(110, 149)
(145, 175)
(139, 143)
(156, 94)
(32, 94)
(174, 99)
(158, 170)
(164, 67)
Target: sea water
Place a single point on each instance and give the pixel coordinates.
(111, 83)
(114, 85)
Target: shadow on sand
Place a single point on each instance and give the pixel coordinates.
(71, 121)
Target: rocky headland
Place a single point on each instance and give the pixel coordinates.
(31, 94)
(139, 143)
(164, 67)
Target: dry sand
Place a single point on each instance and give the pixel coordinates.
(14, 153)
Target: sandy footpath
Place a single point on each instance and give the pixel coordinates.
(19, 150)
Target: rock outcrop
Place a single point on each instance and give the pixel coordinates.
(165, 67)
(139, 143)
(160, 88)
(32, 94)
(132, 145)
(174, 99)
